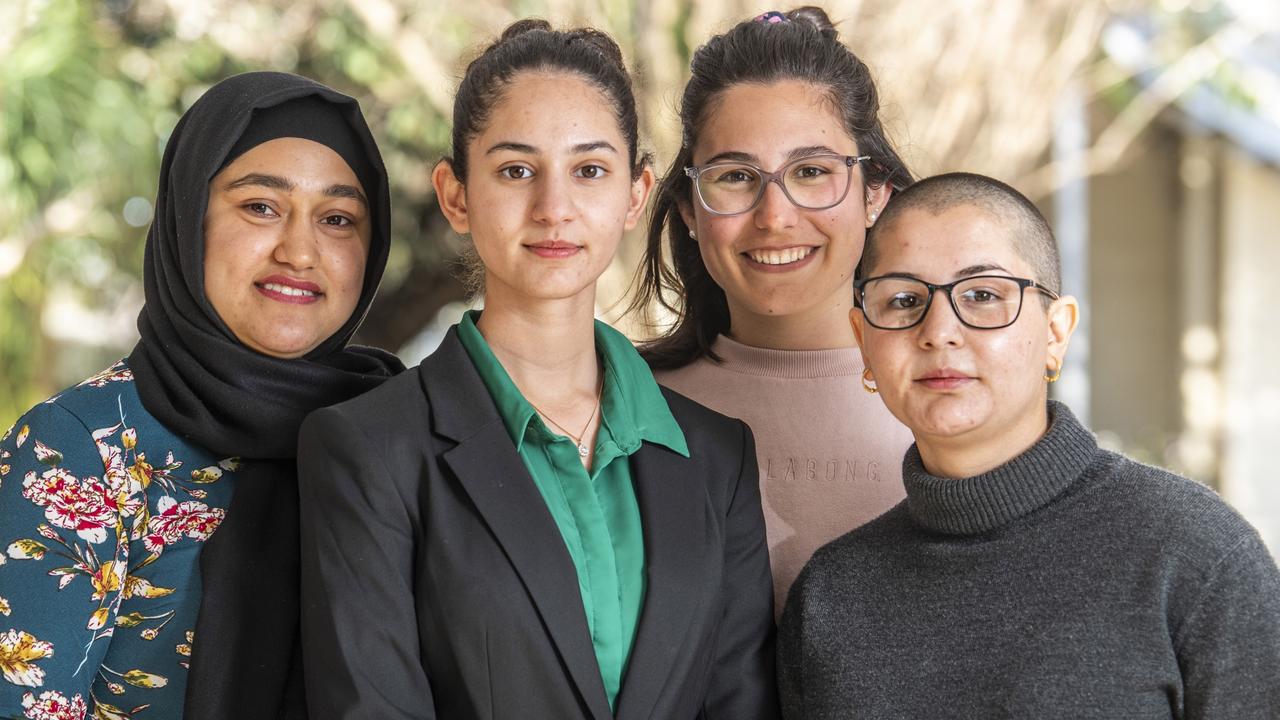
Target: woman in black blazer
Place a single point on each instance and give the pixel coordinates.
(528, 526)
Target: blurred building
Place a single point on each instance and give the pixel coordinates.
(1177, 252)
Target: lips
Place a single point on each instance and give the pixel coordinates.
(945, 379)
(786, 258)
(289, 290)
(554, 248)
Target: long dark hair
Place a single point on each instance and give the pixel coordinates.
(806, 47)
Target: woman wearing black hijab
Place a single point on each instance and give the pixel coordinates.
(270, 237)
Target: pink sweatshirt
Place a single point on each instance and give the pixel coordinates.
(830, 453)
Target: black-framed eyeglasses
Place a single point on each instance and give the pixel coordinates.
(982, 302)
(813, 182)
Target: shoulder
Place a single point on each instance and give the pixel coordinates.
(1181, 516)
(379, 417)
(861, 556)
(891, 532)
(704, 427)
(100, 401)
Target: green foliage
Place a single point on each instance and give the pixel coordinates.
(89, 93)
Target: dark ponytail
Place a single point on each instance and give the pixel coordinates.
(806, 47)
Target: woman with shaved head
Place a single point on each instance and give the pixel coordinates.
(1028, 573)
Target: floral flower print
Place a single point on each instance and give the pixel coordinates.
(19, 652)
(101, 504)
(53, 706)
(71, 503)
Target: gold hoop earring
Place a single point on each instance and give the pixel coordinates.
(868, 383)
(1053, 377)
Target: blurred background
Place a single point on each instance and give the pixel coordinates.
(1148, 132)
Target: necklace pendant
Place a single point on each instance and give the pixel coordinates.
(582, 449)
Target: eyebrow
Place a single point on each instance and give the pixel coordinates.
(346, 191)
(979, 269)
(275, 182)
(527, 149)
(792, 154)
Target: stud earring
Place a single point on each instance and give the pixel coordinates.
(872, 217)
(692, 236)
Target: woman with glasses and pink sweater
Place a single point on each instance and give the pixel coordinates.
(757, 228)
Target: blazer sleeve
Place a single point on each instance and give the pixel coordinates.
(359, 622)
(741, 684)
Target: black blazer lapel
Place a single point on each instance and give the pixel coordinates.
(672, 499)
(493, 475)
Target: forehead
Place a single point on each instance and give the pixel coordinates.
(768, 120)
(303, 162)
(549, 109)
(937, 247)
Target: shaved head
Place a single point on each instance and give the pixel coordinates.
(1029, 233)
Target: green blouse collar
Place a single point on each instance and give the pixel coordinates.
(632, 405)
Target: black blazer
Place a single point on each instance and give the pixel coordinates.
(437, 585)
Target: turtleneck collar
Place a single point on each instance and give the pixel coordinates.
(973, 505)
(791, 364)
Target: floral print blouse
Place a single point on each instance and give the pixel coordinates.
(103, 513)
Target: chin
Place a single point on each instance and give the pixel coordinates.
(283, 346)
(947, 417)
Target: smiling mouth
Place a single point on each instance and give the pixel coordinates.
(289, 291)
(783, 256)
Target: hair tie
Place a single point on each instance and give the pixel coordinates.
(771, 18)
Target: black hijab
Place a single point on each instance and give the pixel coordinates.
(198, 380)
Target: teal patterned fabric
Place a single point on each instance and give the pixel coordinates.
(103, 513)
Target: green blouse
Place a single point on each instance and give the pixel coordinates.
(596, 511)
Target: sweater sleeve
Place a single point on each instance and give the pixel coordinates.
(791, 652)
(1228, 647)
(62, 568)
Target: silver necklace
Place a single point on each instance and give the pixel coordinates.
(580, 438)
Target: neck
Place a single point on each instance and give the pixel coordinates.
(968, 455)
(822, 326)
(546, 346)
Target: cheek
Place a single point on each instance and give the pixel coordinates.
(346, 270)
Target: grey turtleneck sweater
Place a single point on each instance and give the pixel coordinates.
(1070, 582)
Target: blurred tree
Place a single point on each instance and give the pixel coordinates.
(90, 90)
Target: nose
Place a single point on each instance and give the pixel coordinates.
(553, 201)
(775, 211)
(941, 327)
(297, 247)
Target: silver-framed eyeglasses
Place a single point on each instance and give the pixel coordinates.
(812, 182)
(982, 302)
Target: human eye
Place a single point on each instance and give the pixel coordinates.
(809, 171)
(733, 175)
(984, 291)
(591, 171)
(516, 172)
(903, 300)
(259, 208)
(337, 221)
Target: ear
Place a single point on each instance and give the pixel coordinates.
(686, 214)
(858, 322)
(641, 187)
(876, 198)
(1064, 316)
(452, 196)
